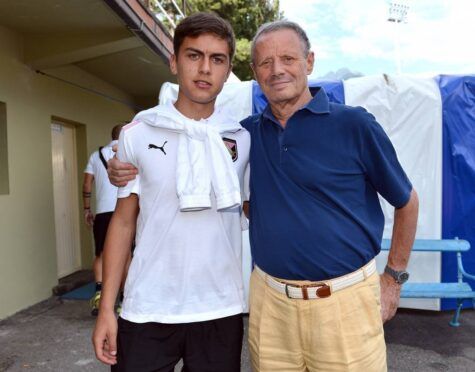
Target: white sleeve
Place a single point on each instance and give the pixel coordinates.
(125, 153)
(245, 196)
(89, 167)
(245, 191)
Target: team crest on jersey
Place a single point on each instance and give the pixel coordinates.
(231, 145)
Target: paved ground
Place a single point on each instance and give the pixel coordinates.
(55, 336)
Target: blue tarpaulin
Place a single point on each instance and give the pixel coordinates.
(458, 185)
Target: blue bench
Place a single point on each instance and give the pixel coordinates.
(459, 290)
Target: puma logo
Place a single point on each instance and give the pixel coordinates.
(161, 148)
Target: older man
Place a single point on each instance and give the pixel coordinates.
(316, 302)
(316, 221)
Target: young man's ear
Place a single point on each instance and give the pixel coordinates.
(173, 68)
(229, 70)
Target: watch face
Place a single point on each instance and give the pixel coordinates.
(403, 277)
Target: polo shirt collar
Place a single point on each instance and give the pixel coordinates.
(319, 104)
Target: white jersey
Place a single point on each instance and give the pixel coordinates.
(106, 193)
(186, 265)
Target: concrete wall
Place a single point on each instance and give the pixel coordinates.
(27, 230)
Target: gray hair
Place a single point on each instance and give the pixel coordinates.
(269, 27)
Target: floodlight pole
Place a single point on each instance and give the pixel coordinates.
(397, 15)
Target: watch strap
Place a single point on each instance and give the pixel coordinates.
(396, 275)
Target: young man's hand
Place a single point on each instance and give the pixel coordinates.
(104, 337)
(120, 173)
(390, 294)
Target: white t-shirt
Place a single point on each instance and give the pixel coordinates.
(106, 193)
(186, 265)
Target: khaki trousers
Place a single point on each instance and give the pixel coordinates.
(343, 332)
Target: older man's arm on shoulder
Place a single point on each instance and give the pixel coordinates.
(404, 231)
(120, 173)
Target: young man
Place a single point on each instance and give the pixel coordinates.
(184, 292)
(106, 197)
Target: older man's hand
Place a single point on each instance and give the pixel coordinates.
(120, 173)
(390, 294)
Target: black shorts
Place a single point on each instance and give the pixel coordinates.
(211, 346)
(101, 223)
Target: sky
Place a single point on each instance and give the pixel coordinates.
(438, 37)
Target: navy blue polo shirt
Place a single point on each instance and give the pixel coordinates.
(314, 208)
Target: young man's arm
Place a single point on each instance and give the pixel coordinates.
(404, 231)
(120, 235)
(86, 198)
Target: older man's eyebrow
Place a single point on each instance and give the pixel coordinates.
(264, 60)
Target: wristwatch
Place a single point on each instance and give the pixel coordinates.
(400, 277)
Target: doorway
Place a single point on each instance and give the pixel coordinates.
(66, 203)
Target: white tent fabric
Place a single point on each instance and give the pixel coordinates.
(410, 111)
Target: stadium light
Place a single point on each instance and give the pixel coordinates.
(397, 14)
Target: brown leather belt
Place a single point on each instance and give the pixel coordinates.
(319, 289)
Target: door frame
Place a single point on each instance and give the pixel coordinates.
(86, 253)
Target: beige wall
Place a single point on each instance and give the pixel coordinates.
(27, 231)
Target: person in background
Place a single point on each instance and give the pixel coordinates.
(95, 174)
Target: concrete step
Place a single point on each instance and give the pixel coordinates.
(73, 281)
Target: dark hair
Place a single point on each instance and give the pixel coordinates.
(204, 23)
(281, 25)
(116, 131)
